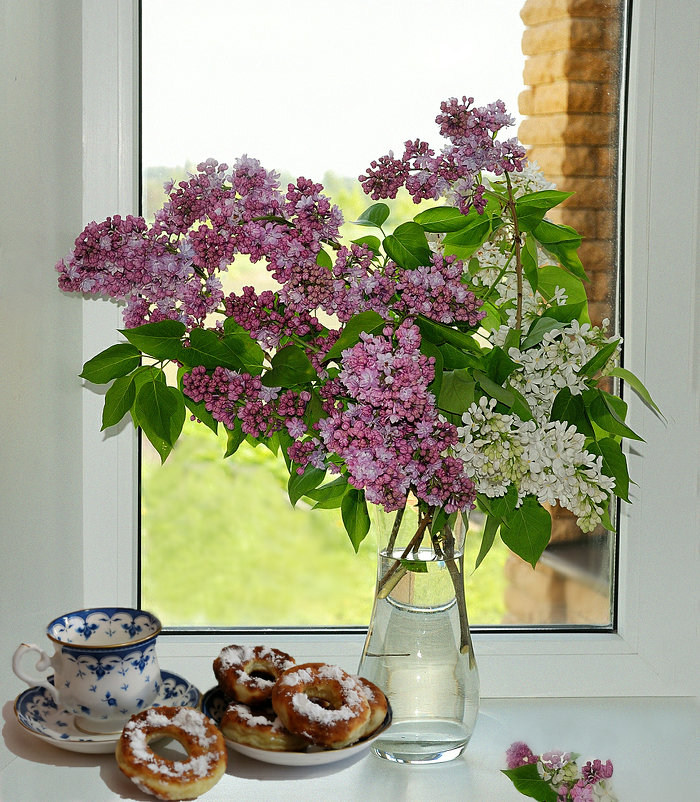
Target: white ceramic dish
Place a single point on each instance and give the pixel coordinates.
(37, 712)
(214, 704)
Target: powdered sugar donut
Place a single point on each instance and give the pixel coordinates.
(260, 727)
(378, 705)
(172, 779)
(247, 673)
(322, 703)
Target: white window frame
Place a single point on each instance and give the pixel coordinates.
(655, 648)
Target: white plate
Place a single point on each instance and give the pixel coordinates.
(37, 712)
(214, 704)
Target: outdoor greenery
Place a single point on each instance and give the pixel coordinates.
(222, 546)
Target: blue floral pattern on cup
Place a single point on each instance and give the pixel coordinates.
(105, 664)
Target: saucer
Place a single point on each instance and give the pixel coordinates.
(214, 705)
(37, 712)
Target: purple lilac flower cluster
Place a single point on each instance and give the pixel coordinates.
(437, 291)
(473, 148)
(560, 771)
(383, 423)
(229, 396)
(169, 270)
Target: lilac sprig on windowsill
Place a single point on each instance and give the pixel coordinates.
(556, 777)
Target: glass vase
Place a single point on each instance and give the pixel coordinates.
(418, 648)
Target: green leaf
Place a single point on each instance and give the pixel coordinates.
(562, 242)
(431, 350)
(161, 414)
(415, 566)
(531, 209)
(112, 363)
(161, 340)
(207, 348)
(370, 242)
(441, 219)
(527, 530)
(323, 259)
(539, 328)
(494, 390)
(608, 412)
(248, 350)
(528, 782)
(439, 333)
(457, 391)
(570, 408)
(552, 276)
(234, 438)
(300, 484)
(118, 401)
(528, 258)
(499, 365)
(408, 246)
(143, 375)
(629, 377)
(364, 321)
(375, 215)
(333, 492)
(567, 313)
(472, 235)
(600, 360)
(355, 516)
(490, 528)
(290, 367)
(156, 406)
(614, 464)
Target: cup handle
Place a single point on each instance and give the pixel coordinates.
(42, 664)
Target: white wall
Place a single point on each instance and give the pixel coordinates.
(40, 331)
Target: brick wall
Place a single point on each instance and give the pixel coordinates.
(571, 74)
(570, 104)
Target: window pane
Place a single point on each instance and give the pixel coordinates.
(310, 89)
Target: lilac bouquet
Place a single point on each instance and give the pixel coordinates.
(555, 776)
(449, 358)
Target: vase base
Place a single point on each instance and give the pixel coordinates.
(409, 742)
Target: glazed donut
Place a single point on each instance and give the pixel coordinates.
(261, 728)
(172, 779)
(247, 673)
(378, 705)
(322, 703)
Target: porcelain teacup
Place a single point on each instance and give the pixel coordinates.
(104, 665)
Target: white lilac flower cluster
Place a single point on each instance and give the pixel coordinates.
(548, 461)
(545, 369)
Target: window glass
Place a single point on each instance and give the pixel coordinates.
(316, 90)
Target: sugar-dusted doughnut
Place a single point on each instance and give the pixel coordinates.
(378, 705)
(172, 779)
(259, 727)
(322, 703)
(247, 673)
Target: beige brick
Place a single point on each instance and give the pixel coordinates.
(583, 220)
(598, 311)
(601, 278)
(567, 129)
(572, 160)
(585, 606)
(523, 609)
(590, 223)
(573, 97)
(581, 65)
(588, 193)
(567, 34)
(535, 12)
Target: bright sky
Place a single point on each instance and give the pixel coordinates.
(308, 86)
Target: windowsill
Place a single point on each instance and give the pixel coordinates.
(649, 740)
